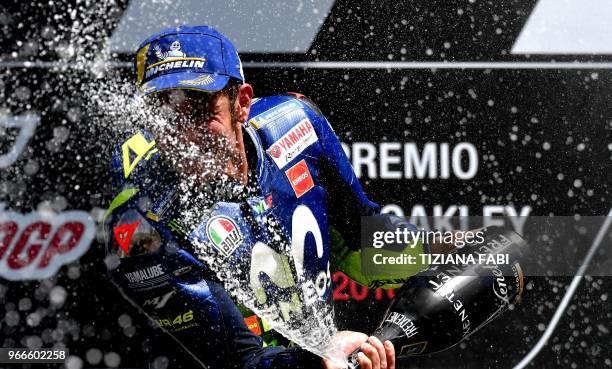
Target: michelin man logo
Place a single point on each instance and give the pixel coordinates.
(26, 125)
(174, 52)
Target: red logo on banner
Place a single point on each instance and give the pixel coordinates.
(300, 178)
(124, 233)
(36, 245)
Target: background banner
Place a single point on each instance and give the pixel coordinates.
(472, 108)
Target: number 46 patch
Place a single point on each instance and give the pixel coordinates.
(178, 320)
(133, 150)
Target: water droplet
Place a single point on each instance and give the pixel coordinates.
(112, 359)
(74, 362)
(93, 356)
(57, 295)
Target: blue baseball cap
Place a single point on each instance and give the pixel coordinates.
(197, 58)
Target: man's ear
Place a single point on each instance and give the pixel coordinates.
(243, 102)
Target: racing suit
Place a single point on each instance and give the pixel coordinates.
(298, 165)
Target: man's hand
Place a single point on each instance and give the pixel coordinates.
(374, 354)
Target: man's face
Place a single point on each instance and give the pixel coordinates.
(199, 133)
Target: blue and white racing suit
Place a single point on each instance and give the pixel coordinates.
(299, 169)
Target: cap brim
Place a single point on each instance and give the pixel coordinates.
(205, 82)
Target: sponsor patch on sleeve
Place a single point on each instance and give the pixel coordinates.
(300, 178)
(292, 143)
(275, 112)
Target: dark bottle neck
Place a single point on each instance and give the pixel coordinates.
(398, 327)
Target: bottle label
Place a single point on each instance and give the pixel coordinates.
(445, 289)
(404, 323)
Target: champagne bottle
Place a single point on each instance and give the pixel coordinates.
(436, 309)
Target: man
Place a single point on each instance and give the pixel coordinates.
(279, 148)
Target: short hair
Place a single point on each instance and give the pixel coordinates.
(231, 89)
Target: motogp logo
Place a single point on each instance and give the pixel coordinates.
(36, 245)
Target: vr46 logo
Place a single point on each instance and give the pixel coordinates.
(178, 320)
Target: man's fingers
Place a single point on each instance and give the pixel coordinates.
(390, 351)
(364, 362)
(372, 354)
(350, 341)
(375, 342)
